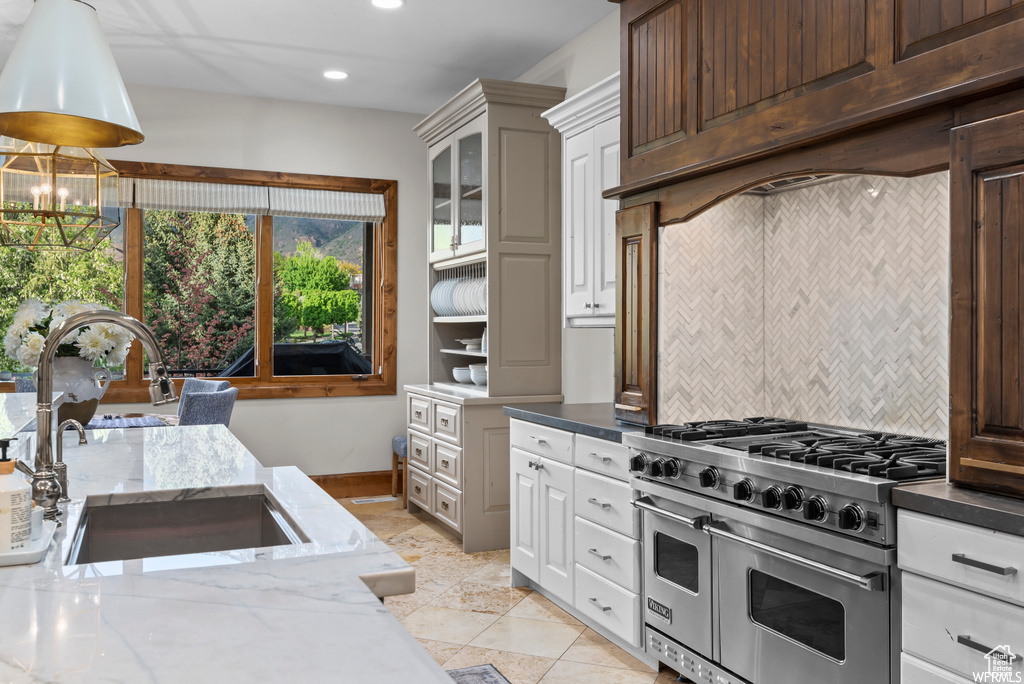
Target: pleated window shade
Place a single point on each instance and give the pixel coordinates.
(163, 195)
(224, 198)
(328, 204)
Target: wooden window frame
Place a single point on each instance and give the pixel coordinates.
(265, 385)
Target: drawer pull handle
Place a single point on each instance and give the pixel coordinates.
(537, 465)
(604, 608)
(418, 490)
(419, 414)
(604, 459)
(419, 452)
(538, 440)
(967, 641)
(444, 463)
(602, 504)
(444, 422)
(595, 552)
(627, 407)
(981, 565)
(444, 505)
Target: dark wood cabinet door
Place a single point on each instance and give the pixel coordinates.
(636, 292)
(986, 339)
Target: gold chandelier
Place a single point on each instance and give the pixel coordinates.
(55, 197)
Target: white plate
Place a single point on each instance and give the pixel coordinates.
(36, 549)
(446, 298)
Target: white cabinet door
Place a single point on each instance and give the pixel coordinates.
(524, 506)
(556, 529)
(578, 189)
(606, 175)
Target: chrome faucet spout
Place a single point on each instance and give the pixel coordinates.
(45, 487)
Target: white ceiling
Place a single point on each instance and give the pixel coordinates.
(409, 60)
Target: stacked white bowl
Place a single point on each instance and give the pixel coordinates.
(478, 373)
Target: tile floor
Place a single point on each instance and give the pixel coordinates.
(465, 612)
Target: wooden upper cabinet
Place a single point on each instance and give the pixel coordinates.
(986, 327)
(710, 84)
(757, 51)
(925, 25)
(656, 80)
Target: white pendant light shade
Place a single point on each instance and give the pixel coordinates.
(61, 85)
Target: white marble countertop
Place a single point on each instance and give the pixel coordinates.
(284, 613)
(18, 409)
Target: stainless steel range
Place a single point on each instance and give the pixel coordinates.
(769, 548)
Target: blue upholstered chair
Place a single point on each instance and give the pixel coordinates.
(206, 408)
(199, 386)
(24, 384)
(399, 450)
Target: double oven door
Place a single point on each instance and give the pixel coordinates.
(767, 599)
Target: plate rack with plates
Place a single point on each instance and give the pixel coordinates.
(460, 292)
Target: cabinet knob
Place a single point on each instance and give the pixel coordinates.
(418, 490)
(419, 452)
(596, 305)
(444, 422)
(444, 464)
(419, 414)
(588, 305)
(444, 505)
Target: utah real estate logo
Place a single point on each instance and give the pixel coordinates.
(1000, 666)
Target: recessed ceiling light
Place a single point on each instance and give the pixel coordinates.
(388, 4)
(335, 75)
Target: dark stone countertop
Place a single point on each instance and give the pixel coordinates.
(991, 511)
(595, 420)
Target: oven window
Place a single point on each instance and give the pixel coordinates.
(811, 619)
(676, 561)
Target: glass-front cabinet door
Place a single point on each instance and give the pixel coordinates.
(442, 225)
(471, 173)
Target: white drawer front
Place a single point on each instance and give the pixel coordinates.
(952, 552)
(914, 671)
(609, 605)
(953, 628)
(419, 412)
(448, 422)
(419, 450)
(448, 464)
(542, 440)
(448, 505)
(602, 456)
(419, 489)
(609, 554)
(607, 502)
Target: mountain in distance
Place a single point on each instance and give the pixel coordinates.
(342, 240)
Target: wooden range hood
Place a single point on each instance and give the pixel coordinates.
(720, 96)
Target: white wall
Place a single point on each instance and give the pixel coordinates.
(588, 354)
(329, 435)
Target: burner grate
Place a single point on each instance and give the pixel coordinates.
(724, 429)
(892, 457)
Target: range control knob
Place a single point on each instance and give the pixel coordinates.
(656, 468)
(672, 468)
(638, 463)
(851, 517)
(709, 478)
(772, 497)
(792, 498)
(743, 490)
(816, 509)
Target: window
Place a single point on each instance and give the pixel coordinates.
(283, 283)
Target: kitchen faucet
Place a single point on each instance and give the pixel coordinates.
(46, 489)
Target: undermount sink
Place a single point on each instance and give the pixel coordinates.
(112, 531)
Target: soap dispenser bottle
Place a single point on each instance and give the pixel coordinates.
(15, 505)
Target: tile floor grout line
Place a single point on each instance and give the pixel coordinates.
(460, 568)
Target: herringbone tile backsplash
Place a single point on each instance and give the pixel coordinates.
(827, 304)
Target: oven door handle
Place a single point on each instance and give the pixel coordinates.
(645, 503)
(874, 581)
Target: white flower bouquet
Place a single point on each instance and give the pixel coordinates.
(34, 320)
